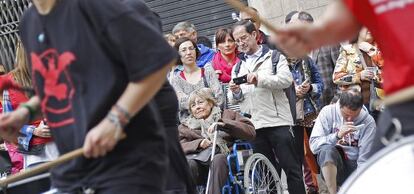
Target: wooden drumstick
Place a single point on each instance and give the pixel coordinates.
(41, 168)
(243, 8)
(44, 167)
(401, 96)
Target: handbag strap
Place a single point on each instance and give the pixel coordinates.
(203, 76)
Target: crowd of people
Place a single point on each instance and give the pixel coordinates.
(310, 109)
(340, 84)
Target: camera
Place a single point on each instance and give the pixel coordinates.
(240, 80)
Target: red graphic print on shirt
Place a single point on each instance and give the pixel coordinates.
(54, 85)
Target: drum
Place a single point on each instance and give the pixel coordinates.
(391, 170)
(35, 184)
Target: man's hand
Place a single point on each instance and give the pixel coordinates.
(305, 87)
(11, 123)
(302, 90)
(234, 87)
(42, 131)
(101, 139)
(252, 78)
(205, 143)
(298, 90)
(347, 127)
(218, 71)
(296, 39)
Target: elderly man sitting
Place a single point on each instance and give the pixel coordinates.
(196, 137)
(342, 137)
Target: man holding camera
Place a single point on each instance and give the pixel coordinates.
(260, 92)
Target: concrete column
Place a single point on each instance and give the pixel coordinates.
(276, 10)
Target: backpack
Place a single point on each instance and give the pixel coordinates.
(289, 91)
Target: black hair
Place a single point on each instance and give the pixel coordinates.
(305, 16)
(351, 99)
(204, 41)
(289, 16)
(181, 41)
(248, 25)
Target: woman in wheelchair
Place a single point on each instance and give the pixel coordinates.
(196, 137)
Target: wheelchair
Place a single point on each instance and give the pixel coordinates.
(250, 173)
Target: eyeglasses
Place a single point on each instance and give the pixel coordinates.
(243, 38)
(184, 50)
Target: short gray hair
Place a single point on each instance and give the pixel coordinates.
(186, 25)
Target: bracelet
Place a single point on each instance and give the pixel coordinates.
(32, 111)
(114, 119)
(125, 114)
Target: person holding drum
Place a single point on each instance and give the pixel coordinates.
(342, 138)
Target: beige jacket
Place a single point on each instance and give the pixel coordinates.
(266, 102)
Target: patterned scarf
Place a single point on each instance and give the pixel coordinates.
(204, 124)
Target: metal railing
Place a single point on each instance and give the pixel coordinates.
(10, 13)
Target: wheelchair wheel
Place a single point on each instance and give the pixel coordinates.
(260, 176)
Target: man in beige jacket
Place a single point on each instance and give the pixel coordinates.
(263, 97)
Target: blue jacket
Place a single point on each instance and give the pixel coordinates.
(300, 73)
(206, 55)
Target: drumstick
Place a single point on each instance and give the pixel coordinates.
(243, 8)
(44, 167)
(403, 95)
(41, 168)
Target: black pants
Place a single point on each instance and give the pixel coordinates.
(279, 141)
(126, 189)
(401, 113)
(298, 132)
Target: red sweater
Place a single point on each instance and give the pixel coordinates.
(16, 98)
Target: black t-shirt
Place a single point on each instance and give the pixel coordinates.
(90, 51)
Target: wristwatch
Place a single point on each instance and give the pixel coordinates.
(337, 136)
